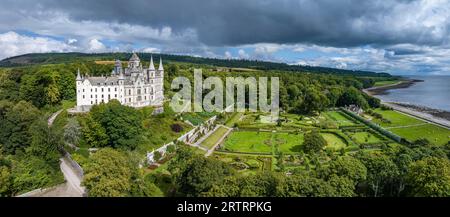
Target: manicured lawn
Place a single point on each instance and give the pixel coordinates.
(412, 129)
(288, 142)
(333, 141)
(364, 137)
(249, 141)
(214, 137)
(340, 118)
(435, 134)
(396, 119)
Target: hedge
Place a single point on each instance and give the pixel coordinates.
(374, 126)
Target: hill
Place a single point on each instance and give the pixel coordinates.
(52, 58)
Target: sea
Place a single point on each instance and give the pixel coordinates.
(434, 92)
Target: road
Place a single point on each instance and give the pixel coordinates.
(72, 187)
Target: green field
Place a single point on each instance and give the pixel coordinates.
(339, 118)
(383, 83)
(434, 134)
(364, 137)
(396, 119)
(333, 141)
(249, 141)
(288, 142)
(412, 128)
(214, 137)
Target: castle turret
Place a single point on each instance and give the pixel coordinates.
(151, 67)
(160, 68)
(117, 67)
(79, 78)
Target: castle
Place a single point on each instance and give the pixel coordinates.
(133, 86)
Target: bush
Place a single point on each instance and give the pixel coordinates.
(176, 128)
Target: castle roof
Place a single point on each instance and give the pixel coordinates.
(151, 66)
(160, 68)
(134, 57)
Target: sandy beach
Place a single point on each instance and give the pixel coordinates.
(435, 116)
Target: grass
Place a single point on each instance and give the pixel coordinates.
(333, 141)
(412, 128)
(364, 137)
(435, 134)
(214, 137)
(396, 119)
(288, 142)
(233, 119)
(339, 118)
(249, 141)
(384, 83)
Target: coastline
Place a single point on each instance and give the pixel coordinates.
(431, 115)
(381, 90)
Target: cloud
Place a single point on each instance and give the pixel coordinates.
(399, 36)
(242, 54)
(12, 44)
(96, 45)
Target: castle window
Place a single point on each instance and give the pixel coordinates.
(91, 96)
(102, 96)
(95, 89)
(108, 89)
(129, 92)
(115, 89)
(145, 97)
(115, 95)
(92, 102)
(83, 90)
(102, 89)
(91, 89)
(83, 96)
(109, 96)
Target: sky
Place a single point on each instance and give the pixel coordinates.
(398, 36)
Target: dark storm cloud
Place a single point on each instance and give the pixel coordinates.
(236, 22)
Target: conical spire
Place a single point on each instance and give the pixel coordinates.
(160, 68)
(78, 75)
(152, 66)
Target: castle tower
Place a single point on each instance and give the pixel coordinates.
(117, 68)
(134, 62)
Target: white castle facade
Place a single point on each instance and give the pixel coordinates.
(133, 86)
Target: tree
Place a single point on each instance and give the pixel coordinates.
(108, 174)
(94, 133)
(157, 156)
(352, 96)
(429, 177)
(44, 141)
(5, 181)
(122, 124)
(381, 171)
(193, 174)
(72, 131)
(349, 167)
(313, 142)
(15, 126)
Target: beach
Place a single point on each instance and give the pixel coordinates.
(432, 115)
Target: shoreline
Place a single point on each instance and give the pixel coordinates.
(434, 116)
(381, 90)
